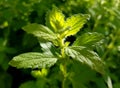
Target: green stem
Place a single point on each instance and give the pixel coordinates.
(64, 72)
(62, 46)
(61, 41)
(63, 64)
(63, 83)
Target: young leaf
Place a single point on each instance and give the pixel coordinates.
(55, 19)
(88, 39)
(74, 23)
(33, 60)
(40, 31)
(86, 56)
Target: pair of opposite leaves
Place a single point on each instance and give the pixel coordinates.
(57, 27)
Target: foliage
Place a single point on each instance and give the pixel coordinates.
(57, 31)
(69, 42)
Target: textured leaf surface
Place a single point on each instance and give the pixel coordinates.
(88, 39)
(40, 31)
(74, 23)
(85, 56)
(33, 60)
(55, 19)
(48, 48)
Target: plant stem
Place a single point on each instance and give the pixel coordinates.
(63, 70)
(63, 82)
(63, 65)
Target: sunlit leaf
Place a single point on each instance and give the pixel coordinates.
(88, 39)
(33, 60)
(86, 56)
(74, 23)
(40, 31)
(55, 19)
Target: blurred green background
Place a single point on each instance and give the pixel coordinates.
(14, 14)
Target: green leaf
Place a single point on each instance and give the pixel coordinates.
(46, 47)
(83, 75)
(55, 19)
(40, 31)
(108, 80)
(28, 84)
(74, 23)
(88, 39)
(85, 56)
(33, 60)
(49, 49)
(5, 79)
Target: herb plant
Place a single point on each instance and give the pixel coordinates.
(57, 51)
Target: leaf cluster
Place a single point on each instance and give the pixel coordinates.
(55, 49)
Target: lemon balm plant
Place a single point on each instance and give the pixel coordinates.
(56, 50)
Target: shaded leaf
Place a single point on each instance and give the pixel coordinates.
(86, 56)
(29, 84)
(33, 60)
(88, 39)
(5, 79)
(83, 77)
